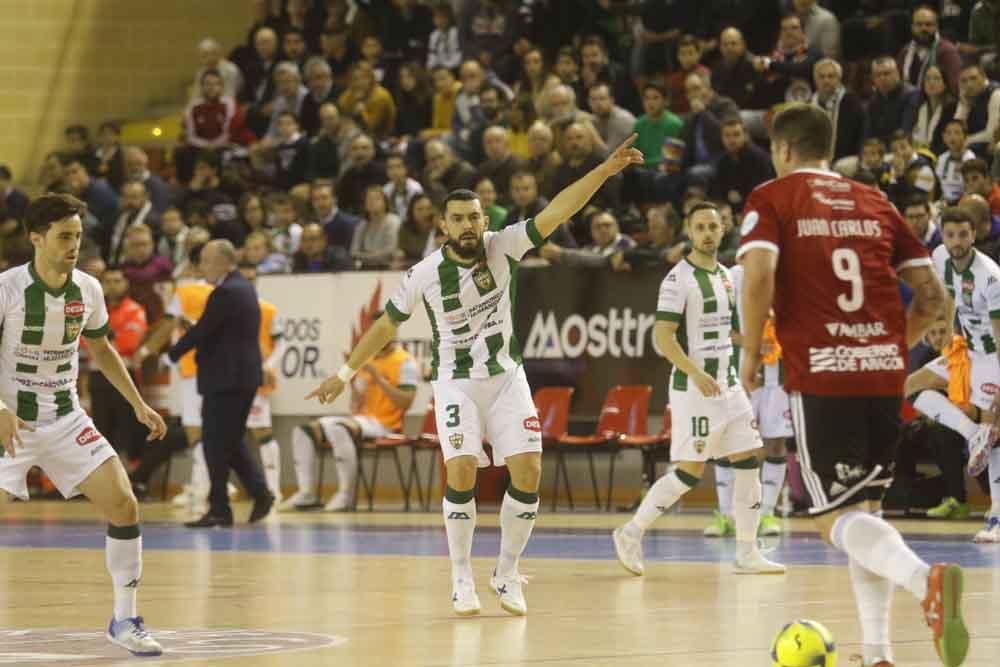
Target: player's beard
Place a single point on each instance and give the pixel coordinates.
(952, 252)
(466, 252)
(708, 253)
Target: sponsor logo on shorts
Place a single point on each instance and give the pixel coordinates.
(990, 388)
(87, 436)
(855, 359)
(533, 424)
(848, 474)
(699, 446)
(456, 440)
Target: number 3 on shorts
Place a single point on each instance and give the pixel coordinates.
(453, 418)
(699, 427)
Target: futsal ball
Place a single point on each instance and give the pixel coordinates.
(803, 643)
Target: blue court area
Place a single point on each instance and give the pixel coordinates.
(570, 543)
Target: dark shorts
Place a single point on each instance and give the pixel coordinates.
(847, 447)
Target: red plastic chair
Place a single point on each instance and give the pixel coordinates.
(648, 445)
(426, 441)
(553, 404)
(625, 411)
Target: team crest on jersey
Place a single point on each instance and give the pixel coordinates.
(699, 446)
(967, 287)
(73, 312)
(484, 278)
(456, 440)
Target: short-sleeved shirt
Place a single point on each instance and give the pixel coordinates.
(652, 133)
(976, 292)
(838, 312)
(400, 369)
(470, 306)
(703, 304)
(189, 302)
(40, 330)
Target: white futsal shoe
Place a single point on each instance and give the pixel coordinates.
(991, 533)
(132, 636)
(463, 597)
(340, 502)
(754, 563)
(299, 501)
(511, 593)
(629, 550)
(980, 445)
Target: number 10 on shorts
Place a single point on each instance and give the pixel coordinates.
(699, 427)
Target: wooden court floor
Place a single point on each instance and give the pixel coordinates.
(374, 589)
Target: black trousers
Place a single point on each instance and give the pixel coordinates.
(115, 418)
(224, 418)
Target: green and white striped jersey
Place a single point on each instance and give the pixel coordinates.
(703, 303)
(470, 307)
(40, 331)
(976, 292)
(774, 374)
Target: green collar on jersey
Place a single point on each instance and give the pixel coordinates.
(460, 263)
(51, 290)
(949, 265)
(698, 268)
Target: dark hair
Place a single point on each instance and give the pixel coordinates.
(593, 40)
(917, 200)
(211, 71)
(688, 40)
(805, 128)
(50, 208)
(732, 119)
(110, 125)
(66, 159)
(568, 52)
(900, 135)
(874, 140)
(211, 158)
(5, 172)
(118, 268)
(956, 121)
(194, 254)
(652, 85)
(292, 30)
(462, 194)
(80, 130)
(522, 173)
(975, 166)
(703, 206)
(956, 215)
(287, 114)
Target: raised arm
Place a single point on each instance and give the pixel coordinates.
(377, 336)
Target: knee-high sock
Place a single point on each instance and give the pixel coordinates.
(346, 455)
(873, 595)
(660, 497)
(724, 487)
(772, 478)
(879, 548)
(994, 473)
(304, 457)
(459, 509)
(937, 406)
(123, 557)
(746, 503)
(270, 458)
(517, 518)
(200, 483)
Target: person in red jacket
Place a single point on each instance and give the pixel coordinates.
(213, 121)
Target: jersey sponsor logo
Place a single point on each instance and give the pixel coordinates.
(750, 221)
(619, 333)
(533, 424)
(87, 436)
(856, 330)
(831, 184)
(74, 309)
(853, 359)
(834, 203)
(488, 304)
(989, 388)
(968, 287)
(456, 440)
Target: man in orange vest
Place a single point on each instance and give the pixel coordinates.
(381, 393)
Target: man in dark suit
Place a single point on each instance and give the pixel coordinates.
(229, 373)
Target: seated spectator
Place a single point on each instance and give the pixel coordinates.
(135, 209)
(289, 94)
(949, 163)
(339, 225)
(78, 146)
(372, 53)
(892, 98)
(661, 23)
(212, 122)
(910, 172)
(919, 216)
(364, 171)
(367, 100)
(734, 76)
(446, 90)
(406, 27)
(661, 249)
(487, 193)
(148, 274)
(730, 243)
(13, 202)
(984, 31)
(491, 112)
(579, 157)
(285, 157)
(467, 112)
(294, 48)
(688, 62)
(413, 102)
(443, 47)
(820, 26)
(206, 187)
(873, 161)
(928, 48)
(200, 214)
(527, 203)
(210, 58)
(986, 223)
(173, 233)
(376, 238)
(416, 233)
(741, 168)
(842, 106)
(324, 149)
(656, 125)
(612, 122)
(792, 61)
(313, 255)
(535, 77)
(287, 231)
(702, 134)
(401, 189)
(254, 213)
(979, 107)
(607, 240)
(486, 30)
(340, 53)
(137, 168)
(100, 199)
(934, 107)
(445, 172)
(978, 181)
(319, 82)
(110, 156)
(500, 163)
(567, 68)
(51, 176)
(259, 250)
(187, 270)
(258, 80)
(596, 67)
(544, 159)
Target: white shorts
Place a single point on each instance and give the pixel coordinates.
(260, 412)
(773, 412)
(499, 409)
(370, 427)
(984, 376)
(190, 403)
(67, 450)
(711, 428)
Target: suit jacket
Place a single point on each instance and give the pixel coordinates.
(226, 339)
(710, 121)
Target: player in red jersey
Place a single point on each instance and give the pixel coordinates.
(826, 252)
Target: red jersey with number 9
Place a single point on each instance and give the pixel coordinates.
(838, 312)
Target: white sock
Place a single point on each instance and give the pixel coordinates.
(772, 478)
(516, 521)
(724, 488)
(200, 484)
(994, 473)
(746, 507)
(879, 548)
(460, 525)
(660, 497)
(873, 595)
(346, 455)
(123, 557)
(270, 458)
(937, 406)
(304, 458)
